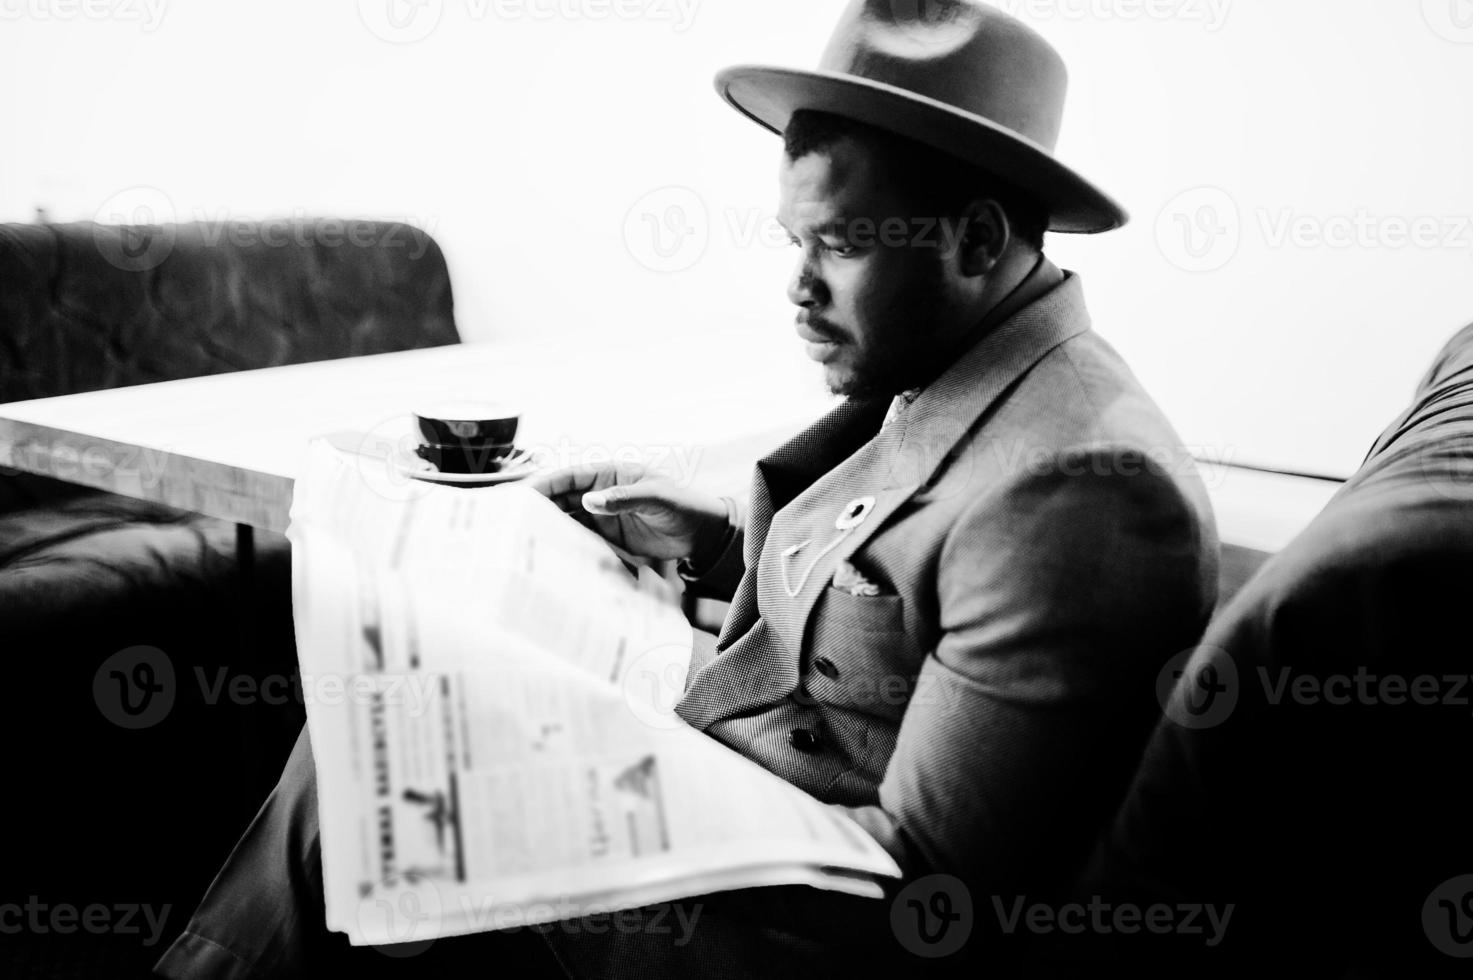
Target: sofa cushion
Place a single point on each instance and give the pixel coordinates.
(90, 552)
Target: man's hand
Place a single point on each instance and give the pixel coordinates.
(646, 515)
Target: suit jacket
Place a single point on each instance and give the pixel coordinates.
(1326, 799)
(1041, 546)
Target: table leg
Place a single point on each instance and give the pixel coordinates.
(245, 556)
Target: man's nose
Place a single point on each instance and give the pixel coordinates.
(805, 288)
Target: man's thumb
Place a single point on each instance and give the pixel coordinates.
(620, 500)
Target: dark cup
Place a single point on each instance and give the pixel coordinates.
(468, 424)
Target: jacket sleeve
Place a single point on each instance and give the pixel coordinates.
(1062, 595)
(720, 581)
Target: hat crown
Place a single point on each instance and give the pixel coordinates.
(961, 53)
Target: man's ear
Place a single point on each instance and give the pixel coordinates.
(986, 235)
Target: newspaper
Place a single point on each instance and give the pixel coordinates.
(491, 715)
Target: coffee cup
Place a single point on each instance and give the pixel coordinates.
(468, 423)
(466, 437)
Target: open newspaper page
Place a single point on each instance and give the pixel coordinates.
(490, 706)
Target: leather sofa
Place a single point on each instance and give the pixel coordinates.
(96, 813)
(1311, 768)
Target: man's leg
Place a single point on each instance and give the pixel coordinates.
(264, 908)
(263, 915)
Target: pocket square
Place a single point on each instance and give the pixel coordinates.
(849, 579)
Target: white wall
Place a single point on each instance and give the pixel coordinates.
(541, 141)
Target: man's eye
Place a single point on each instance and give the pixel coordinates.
(843, 250)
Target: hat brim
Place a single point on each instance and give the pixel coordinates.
(769, 96)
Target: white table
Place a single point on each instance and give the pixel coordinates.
(229, 446)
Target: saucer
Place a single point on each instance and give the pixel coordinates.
(518, 466)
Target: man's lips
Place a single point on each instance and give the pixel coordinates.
(822, 346)
(809, 333)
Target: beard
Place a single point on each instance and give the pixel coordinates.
(903, 354)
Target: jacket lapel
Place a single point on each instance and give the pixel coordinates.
(906, 458)
(803, 460)
(928, 434)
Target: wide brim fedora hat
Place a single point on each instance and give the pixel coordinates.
(956, 75)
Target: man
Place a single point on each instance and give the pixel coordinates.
(951, 595)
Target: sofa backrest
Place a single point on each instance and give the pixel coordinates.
(87, 306)
(1309, 767)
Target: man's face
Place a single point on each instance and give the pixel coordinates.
(872, 280)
